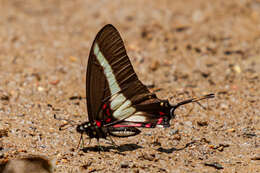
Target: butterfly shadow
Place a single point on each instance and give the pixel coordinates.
(120, 148)
(171, 150)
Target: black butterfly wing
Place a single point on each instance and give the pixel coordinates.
(114, 92)
(116, 97)
(95, 86)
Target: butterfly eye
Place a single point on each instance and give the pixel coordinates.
(161, 104)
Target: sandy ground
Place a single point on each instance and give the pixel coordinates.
(184, 48)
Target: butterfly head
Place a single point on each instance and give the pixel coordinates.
(93, 130)
(167, 107)
(84, 128)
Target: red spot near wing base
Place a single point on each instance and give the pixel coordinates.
(160, 120)
(148, 125)
(104, 106)
(130, 125)
(98, 123)
(108, 112)
(108, 120)
(161, 113)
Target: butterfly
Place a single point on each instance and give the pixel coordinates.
(118, 102)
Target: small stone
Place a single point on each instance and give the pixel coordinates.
(73, 58)
(55, 82)
(223, 106)
(257, 157)
(212, 146)
(4, 97)
(154, 66)
(202, 123)
(188, 123)
(87, 165)
(231, 130)
(221, 148)
(124, 165)
(134, 47)
(197, 16)
(237, 69)
(173, 132)
(148, 134)
(64, 161)
(29, 164)
(177, 137)
(3, 133)
(40, 89)
(149, 157)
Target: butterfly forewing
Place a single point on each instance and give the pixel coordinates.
(95, 86)
(113, 88)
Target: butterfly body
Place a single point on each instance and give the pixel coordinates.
(95, 131)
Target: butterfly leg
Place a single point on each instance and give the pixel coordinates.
(89, 141)
(81, 139)
(100, 148)
(112, 142)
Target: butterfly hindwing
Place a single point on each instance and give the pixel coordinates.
(152, 114)
(111, 80)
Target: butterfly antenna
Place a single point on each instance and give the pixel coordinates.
(69, 122)
(196, 99)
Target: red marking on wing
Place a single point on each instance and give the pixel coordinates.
(160, 120)
(104, 106)
(108, 120)
(161, 113)
(148, 125)
(108, 112)
(128, 125)
(98, 123)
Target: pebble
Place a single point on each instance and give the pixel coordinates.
(177, 137)
(256, 157)
(40, 89)
(149, 157)
(188, 123)
(55, 82)
(73, 58)
(231, 130)
(148, 134)
(197, 16)
(124, 165)
(237, 69)
(223, 106)
(202, 123)
(154, 66)
(173, 132)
